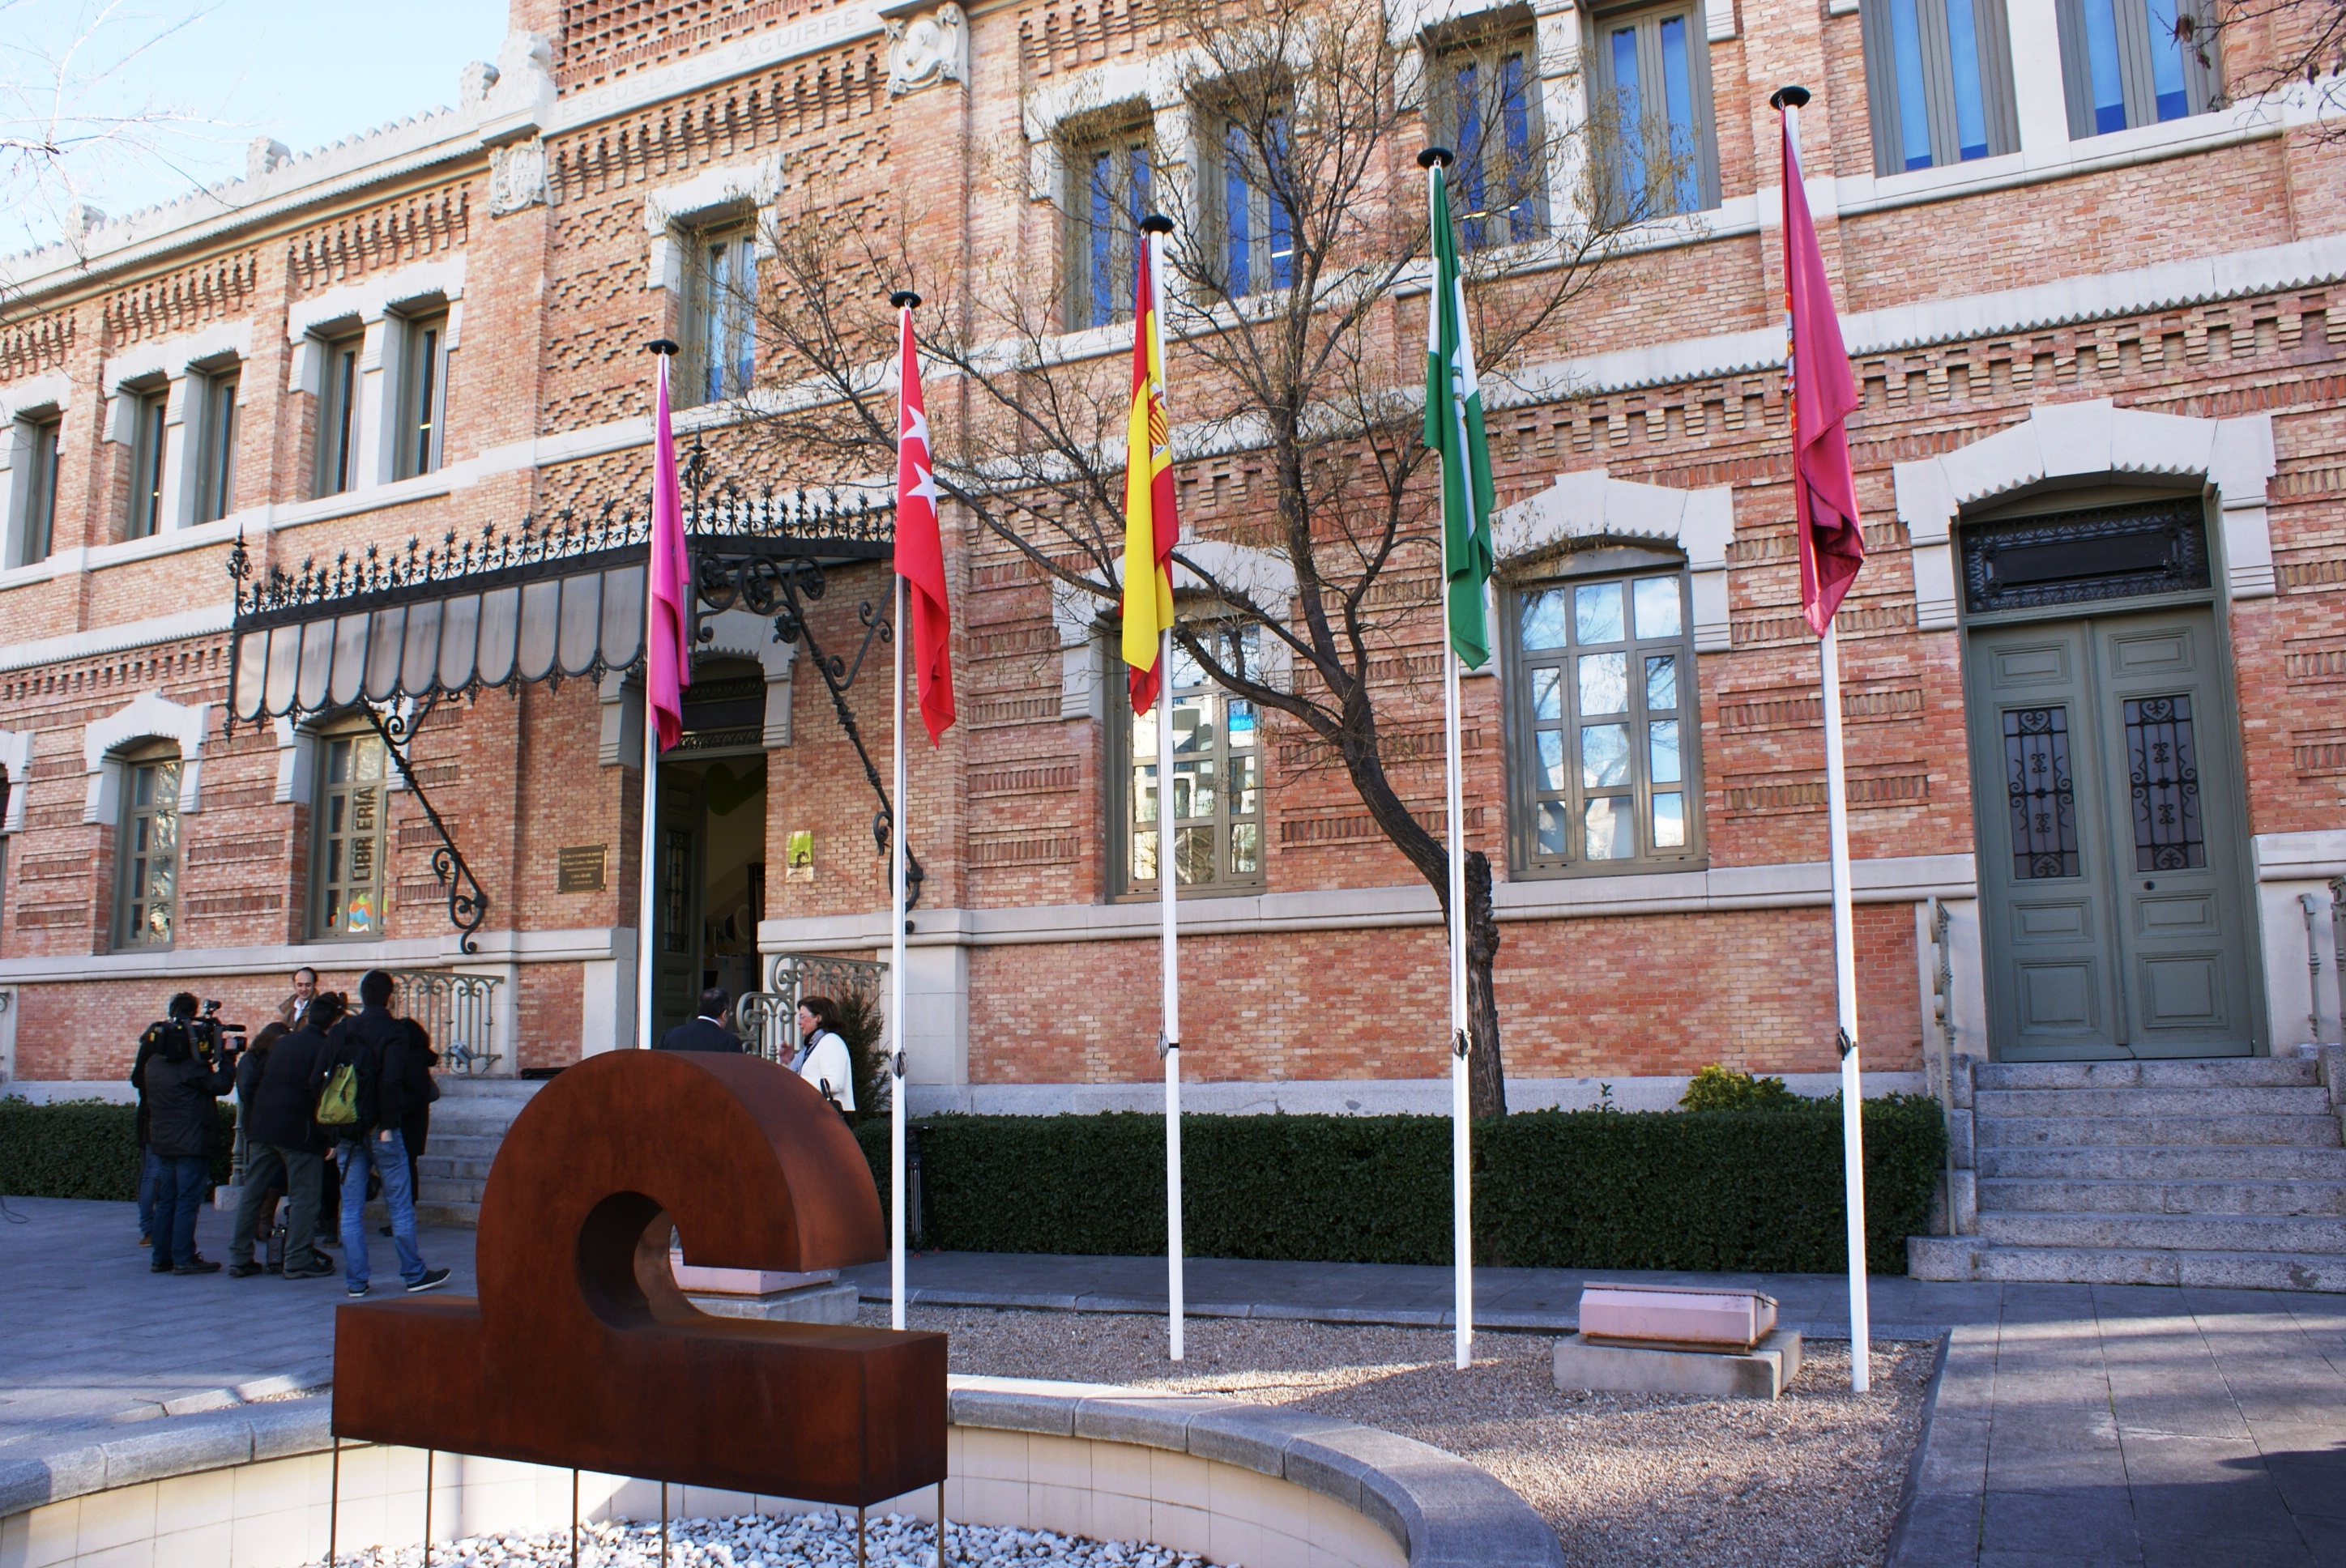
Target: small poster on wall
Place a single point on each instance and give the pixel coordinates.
(801, 856)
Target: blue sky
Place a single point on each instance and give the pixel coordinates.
(229, 70)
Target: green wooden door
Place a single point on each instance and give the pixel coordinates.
(678, 941)
(2114, 896)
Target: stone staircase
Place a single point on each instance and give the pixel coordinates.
(2228, 1173)
(467, 1125)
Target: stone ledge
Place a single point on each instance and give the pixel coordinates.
(1439, 1509)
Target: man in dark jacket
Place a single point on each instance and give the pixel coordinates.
(183, 1127)
(707, 1032)
(181, 1009)
(282, 1106)
(374, 1044)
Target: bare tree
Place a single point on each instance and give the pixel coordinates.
(1299, 234)
(2295, 40)
(73, 121)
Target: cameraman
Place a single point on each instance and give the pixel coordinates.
(182, 1093)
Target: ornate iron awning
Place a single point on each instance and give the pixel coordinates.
(540, 604)
(505, 608)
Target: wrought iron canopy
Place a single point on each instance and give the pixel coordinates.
(504, 608)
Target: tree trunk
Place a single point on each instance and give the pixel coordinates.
(1487, 1078)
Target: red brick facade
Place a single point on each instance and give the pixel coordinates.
(554, 283)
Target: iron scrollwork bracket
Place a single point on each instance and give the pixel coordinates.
(468, 905)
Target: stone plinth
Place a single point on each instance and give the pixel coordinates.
(827, 1303)
(1760, 1373)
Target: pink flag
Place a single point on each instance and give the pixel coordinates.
(667, 653)
(920, 547)
(1824, 393)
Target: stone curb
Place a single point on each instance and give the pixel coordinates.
(1911, 1487)
(1439, 1509)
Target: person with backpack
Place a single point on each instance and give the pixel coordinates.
(364, 1121)
(183, 1131)
(284, 1102)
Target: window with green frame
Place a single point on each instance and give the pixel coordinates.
(1604, 719)
(1217, 777)
(146, 853)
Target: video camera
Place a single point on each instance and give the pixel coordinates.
(212, 1036)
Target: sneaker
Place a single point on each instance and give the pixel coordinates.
(355, 1291)
(159, 1266)
(307, 1273)
(246, 1270)
(430, 1279)
(199, 1266)
(386, 1230)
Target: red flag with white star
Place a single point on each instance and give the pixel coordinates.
(920, 547)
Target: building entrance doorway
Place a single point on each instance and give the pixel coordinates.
(2113, 844)
(712, 843)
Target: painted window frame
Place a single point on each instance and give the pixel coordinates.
(42, 451)
(1128, 754)
(342, 386)
(719, 309)
(159, 769)
(1915, 63)
(1536, 803)
(421, 426)
(1699, 185)
(2128, 58)
(1103, 217)
(1520, 213)
(150, 451)
(1250, 219)
(336, 837)
(218, 392)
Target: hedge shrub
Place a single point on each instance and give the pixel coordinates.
(1745, 1191)
(81, 1148)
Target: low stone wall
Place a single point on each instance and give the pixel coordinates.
(1238, 1482)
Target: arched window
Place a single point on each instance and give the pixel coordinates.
(349, 844)
(146, 856)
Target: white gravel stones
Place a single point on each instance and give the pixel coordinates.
(800, 1541)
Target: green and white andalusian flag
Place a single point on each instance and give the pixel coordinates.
(1454, 428)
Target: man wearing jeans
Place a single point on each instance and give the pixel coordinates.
(364, 1041)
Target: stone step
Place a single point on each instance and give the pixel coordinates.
(452, 1190)
(2225, 1072)
(464, 1142)
(1969, 1257)
(2318, 1236)
(2081, 1132)
(2187, 1198)
(434, 1166)
(434, 1212)
(2264, 1162)
(2162, 1102)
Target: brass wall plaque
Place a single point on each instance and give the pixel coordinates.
(578, 869)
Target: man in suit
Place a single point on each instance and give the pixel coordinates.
(707, 1032)
(294, 1008)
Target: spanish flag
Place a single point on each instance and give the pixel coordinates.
(1151, 528)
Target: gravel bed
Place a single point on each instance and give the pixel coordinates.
(814, 1540)
(1812, 1478)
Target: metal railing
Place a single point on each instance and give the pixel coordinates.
(768, 1021)
(1943, 1011)
(460, 1012)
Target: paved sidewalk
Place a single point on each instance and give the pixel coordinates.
(95, 1339)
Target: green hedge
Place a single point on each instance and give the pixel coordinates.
(1589, 1189)
(81, 1148)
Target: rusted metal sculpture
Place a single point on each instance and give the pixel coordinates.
(581, 1352)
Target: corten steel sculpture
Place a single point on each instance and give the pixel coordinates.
(580, 1351)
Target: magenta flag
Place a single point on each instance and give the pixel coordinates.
(668, 651)
(1824, 393)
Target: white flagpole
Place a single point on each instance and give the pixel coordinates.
(647, 899)
(1168, 874)
(1852, 1125)
(1852, 1120)
(1461, 1206)
(896, 998)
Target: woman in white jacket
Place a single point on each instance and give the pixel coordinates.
(822, 1059)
